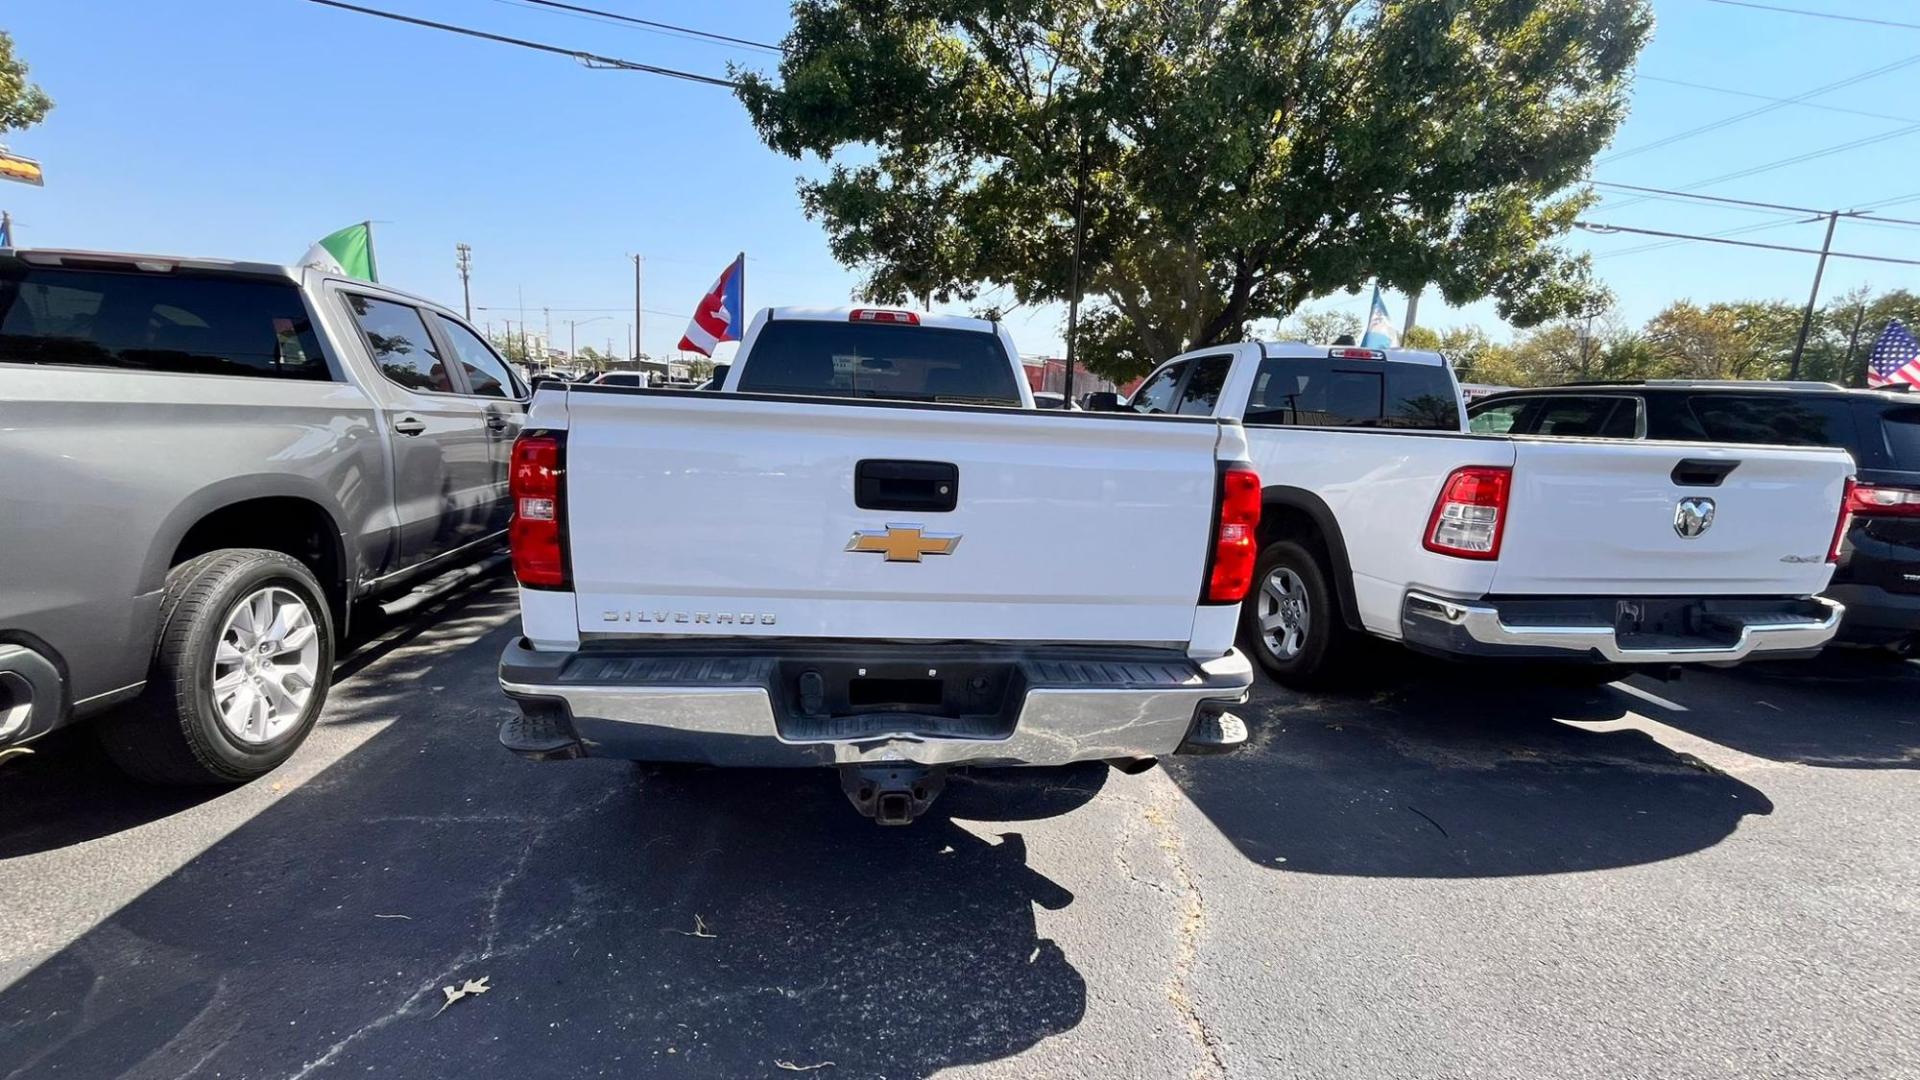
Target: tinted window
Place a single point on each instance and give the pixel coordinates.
(1902, 428)
(619, 378)
(1590, 417)
(487, 374)
(400, 344)
(1202, 391)
(157, 322)
(1777, 419)
(1156, 394)
(1497, 419)
(1312, 393)
(909, 363)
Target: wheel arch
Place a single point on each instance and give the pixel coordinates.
(1291, 513)
(289, 514)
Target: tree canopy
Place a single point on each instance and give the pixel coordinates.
(1236, 158)
(22, 104)
(1739, 339)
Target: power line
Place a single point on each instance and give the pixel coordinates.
(1751, 113)
(1654, 192)
(1782, 163)
(1817, 14)
(1769, 97)
(1860, 213)
(590, 59)
(649, 24)
(1738, 230)
(1603, 228)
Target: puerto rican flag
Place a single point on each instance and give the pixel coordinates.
(717, 318)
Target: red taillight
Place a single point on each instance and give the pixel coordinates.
(881, 315)
(1871, 501)
(1234, 550)
(1470, 516)
(539, 551)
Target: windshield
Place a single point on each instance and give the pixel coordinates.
(903, 363)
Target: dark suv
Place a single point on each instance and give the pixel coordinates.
(1878, 578)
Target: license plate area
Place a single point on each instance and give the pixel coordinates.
(831, 698)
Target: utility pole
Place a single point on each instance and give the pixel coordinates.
(1853, 341)
(1586, 343)
(547, 315)
(570, 352)
(639, 319)
(1073, 280)
(1413, 308)
(463, 258)
(1806, 319)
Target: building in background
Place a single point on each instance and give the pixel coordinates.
(1048, 374)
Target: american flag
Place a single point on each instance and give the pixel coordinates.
(1895, 358)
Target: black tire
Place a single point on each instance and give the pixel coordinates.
(1320, 657)
(173, 733)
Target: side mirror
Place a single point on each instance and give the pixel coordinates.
(1103, 401)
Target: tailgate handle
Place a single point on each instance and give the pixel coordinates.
(1702, 472)
(929, 486)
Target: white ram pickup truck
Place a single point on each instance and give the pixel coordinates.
(868, 550)
(1382, 516)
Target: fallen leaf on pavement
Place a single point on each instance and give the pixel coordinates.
(699, 929)
(791, 1067)
(466, 989)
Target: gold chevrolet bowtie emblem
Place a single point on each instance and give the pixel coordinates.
(903, 543)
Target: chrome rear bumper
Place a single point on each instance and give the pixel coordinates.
(738, 709)
(1727, 631)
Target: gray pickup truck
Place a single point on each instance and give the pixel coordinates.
(205, 467)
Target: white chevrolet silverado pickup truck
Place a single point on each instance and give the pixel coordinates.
(1382, 516)
(868, 550)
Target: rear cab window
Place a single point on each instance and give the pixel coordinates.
(1311, 392)
(178, 322)
(864, 360)
(1595, 416)
(1773, 419)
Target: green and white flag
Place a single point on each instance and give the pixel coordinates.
(348, 252)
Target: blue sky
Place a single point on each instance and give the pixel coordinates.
(250, 128)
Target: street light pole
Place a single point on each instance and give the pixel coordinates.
(639, 319)
(1806, 319)
(1073, 286)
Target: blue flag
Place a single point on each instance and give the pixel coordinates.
(1380, 333)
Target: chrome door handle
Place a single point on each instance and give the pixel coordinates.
(496, 422)
(409, 425)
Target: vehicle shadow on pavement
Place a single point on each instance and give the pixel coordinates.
(641, 922)
(77, 794)
(1844, 709)
(1442, 770)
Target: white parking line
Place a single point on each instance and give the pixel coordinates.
(1648, 697)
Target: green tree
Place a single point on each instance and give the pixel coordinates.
(1236, 158)
(22, 104)
(1321, 327)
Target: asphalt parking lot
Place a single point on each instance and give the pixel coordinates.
(1445, 875)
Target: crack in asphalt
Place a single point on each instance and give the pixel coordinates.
(1193, 917)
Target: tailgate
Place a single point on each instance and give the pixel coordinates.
(724, 514)
(1596, 517)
